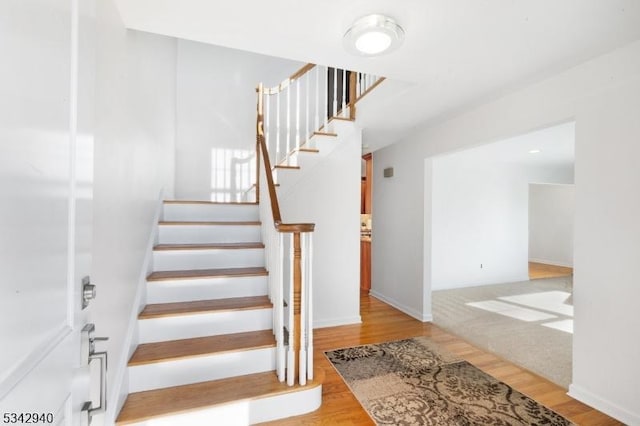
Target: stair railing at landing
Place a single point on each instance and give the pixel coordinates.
(304, 104)
(288, 116)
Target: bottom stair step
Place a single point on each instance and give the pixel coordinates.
(248, 399)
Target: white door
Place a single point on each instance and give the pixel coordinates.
(46, 169)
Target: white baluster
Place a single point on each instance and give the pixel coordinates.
(302, 360)
(288, 123)
(292, 327)
(335, 92)
(344, 91)
(326, 100)
(276, 159)
(281, 355)
(309, 286)
(267, 138)
(297, 118)
(306, 95)
(317, 121)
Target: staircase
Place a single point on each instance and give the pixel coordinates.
(226, 336)
(207, 352)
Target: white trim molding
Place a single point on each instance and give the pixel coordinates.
(402, 307)
(604, 405)
(551, 262)
(334, 322)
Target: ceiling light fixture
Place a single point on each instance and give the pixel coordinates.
(534, 151)
(373, 35)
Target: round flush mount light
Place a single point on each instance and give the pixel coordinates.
(373, 35)
(535, 151)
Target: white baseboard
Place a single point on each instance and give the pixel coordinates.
(550, 262)
(402, 307)
(334, 322)
(120, 387)
(604, 405)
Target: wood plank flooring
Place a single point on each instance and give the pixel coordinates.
(542, 270)
(381, 323)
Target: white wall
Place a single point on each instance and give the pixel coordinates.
(599, 96)
(216, 109)
(551, 212)
(329, 196)
(479, 231)
(134, 144)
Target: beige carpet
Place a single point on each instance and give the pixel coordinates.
(416, 382)
(543, 350)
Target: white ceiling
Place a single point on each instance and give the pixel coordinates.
(456, 52)
(556, 146)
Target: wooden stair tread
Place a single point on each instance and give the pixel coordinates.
(284, 166)
(341, 118)
(208, 202)
(320, 133)
(208, 246)
(141, 406)
(159, 310)
(206, 273)
(201, 222)
(312, 150)
(185, 348)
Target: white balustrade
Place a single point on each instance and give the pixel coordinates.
(320, 104)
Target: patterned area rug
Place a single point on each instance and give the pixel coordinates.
(415, 382)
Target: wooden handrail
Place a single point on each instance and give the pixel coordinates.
(369, 89)
(261, 151)
(287, 81)
(302, 71)
(299, 235)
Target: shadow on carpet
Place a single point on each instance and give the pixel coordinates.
(416, 382)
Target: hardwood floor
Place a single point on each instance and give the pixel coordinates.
(381, 323)
(542, 270)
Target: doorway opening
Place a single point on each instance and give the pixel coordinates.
(366, 234)
(494, 209)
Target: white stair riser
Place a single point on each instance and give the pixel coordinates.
(242, 413)
(200, 369)
(205, 289)
(202, 234)
(179, 260)
(211, 212)
(307, 161)
(200, 325)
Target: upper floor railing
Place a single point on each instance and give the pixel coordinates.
(288, 115)
(304, 103)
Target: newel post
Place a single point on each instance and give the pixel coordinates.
(297, 301)
(353, 81)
